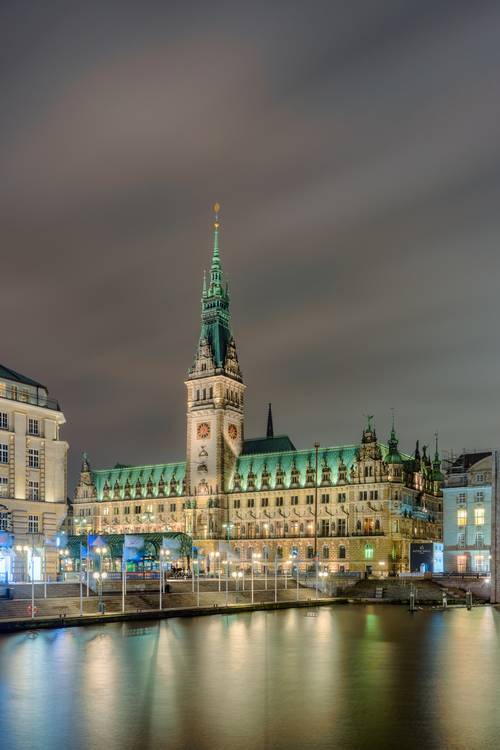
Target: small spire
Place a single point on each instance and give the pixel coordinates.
(204, 283)
(270, 428)
(215, 255)
(436, 453)
(417, 450)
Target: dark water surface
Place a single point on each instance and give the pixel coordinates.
(350, 677)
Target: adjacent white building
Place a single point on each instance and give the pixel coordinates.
(33, 477)
(467, 516)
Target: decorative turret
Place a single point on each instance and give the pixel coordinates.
(369, 434)
(85, 489)
(393, 454)
(216, 352)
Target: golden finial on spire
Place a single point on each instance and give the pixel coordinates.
(216, 212)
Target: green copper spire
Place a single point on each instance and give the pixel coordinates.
(436, 452)
(216, 344)
(216, 268)
(393, 455)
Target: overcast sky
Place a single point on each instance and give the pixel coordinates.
(355, 149)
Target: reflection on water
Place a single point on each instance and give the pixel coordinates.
(352, 677)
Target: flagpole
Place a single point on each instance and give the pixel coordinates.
(81, 582)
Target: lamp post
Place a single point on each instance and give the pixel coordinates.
(226, 573)
(82, 527)
(100, 576)
(164, 556)
(236, 574)
(323, 575)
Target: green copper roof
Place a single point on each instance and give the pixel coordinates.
(278, 444)
(155, 473)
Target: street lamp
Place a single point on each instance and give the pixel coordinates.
(164, 557)
(255, 558)
(237, 574)
(100, 577)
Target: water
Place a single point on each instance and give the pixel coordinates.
(350, 677)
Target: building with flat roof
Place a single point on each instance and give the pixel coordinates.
(467, 513)
(33, 477)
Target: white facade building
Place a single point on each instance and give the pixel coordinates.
(33, 477)
(467, 514)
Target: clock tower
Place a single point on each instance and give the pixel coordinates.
(215, 405)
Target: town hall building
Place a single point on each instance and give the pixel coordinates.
(355, 508)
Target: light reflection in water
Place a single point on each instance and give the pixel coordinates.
(351, 677)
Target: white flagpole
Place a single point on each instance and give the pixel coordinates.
(81, 582)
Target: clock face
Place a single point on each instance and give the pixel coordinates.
(232, 431)
(203, 430)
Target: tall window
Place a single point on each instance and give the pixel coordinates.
(294, 500)
(279, 502)
(341, 526)
(479, 516)
(33, 525)
(173, 507)
(264, 502)
(309, 499)
(325, 498)
(326, 552)
(341, 552)
(251, 502)
(341, 497)
(479, 498)
(236, 503)
(33, 491)
(4, 453)
(479, 540)
(4, 421)
(33, 427)
(462, 517)
(33, 458)
(368, 552)
(4, 487)
(461, 539)
(310, 552)
(5, 524)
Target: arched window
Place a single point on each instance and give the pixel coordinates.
(358, 525)
(341, 552)
(279, 551)
(326, 552)
(368, 552)
(310, 552)
(377, 524)
(265, 552)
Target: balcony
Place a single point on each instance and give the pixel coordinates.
(40, 398)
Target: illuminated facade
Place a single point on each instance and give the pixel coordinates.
(355, 507)
(467, 512)
(33, 482)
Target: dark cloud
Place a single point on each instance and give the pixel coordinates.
(354, 148)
